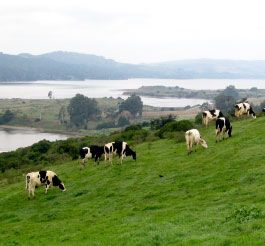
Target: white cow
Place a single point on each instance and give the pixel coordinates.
(193, 137)
(47, 178)
(244, 108)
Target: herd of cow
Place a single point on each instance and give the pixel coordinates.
(49, 178)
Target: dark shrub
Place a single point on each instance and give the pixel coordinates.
(139, 135)
(41, 147)
(8, 116)
(158, 123)
(133, 127)
(105, 125)
(198, 119)
(123, 122)
(145, 124)
(177, 126)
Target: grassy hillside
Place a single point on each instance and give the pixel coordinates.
(198, 201)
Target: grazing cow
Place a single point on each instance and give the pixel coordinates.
(223, 125)
(210, 115)
(244, 108)
(263, 110)
(93, 151)
(47, 178)
(121, 149)
(193, 137)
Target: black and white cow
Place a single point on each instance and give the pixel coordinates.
(263, 110)
(121, 149)
(223, 126)
(41, 178)
(93, 151)
(210, 115)
(244, 108)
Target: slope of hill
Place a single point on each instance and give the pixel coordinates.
(61, 65)
(196, 202)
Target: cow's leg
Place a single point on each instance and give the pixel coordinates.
(29, 189)
(196, 147)
(33, 191)
(191, 147)
(216, 135)
(188, 147)
(105, 160)
(47, 187)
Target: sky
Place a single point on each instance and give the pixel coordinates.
(136, 31)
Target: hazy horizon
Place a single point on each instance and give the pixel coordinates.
(136, 32)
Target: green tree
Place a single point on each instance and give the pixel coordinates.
(225, 103)
(62, 114)
(81, 109)
(133, 104)
(123, 122)
(231, 91)
(50, 94)
(8, 116)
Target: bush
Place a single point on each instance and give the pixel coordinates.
(158, 123)
(139, 135)
(198, 119)
(8, 116)
(133, 127)
(123, 122)
(177, 126)
(41, 147)
(145, 124)
(105, 125)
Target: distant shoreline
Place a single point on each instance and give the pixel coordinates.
(40, 130)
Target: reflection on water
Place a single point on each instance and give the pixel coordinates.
(11, 139)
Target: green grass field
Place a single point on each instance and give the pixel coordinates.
(196, 202)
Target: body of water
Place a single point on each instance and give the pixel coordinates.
(115, 88)
(11, 139)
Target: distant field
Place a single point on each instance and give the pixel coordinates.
(47, 110)
(212, 197)
(28, 112)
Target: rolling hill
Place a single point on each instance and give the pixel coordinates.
(62, 65)
(212, 197)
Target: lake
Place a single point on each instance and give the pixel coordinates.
(11, 139)
(115, 88)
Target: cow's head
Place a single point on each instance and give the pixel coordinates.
(203, 143)
(230, 132)
(252, 113)
(237, 107)
(62, 187)
(134, 155)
